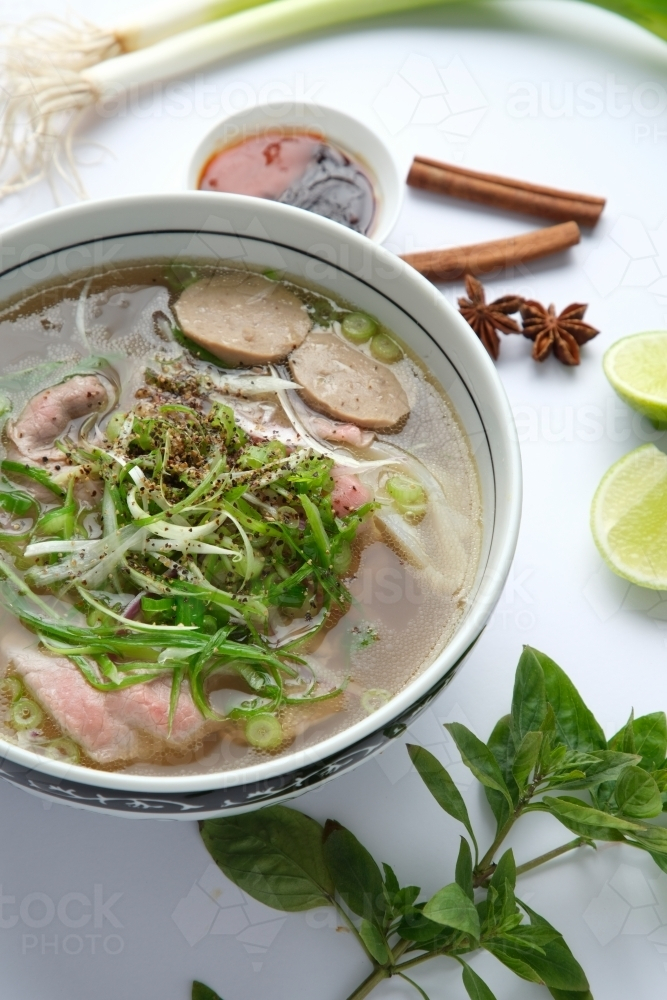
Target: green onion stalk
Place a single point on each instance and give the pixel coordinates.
(53, 83)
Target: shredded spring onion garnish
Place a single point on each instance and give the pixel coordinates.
(197, 533)
(54, 71)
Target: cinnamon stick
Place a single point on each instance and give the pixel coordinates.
(503, 192)
(480, 258)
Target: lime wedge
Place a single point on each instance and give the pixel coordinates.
(629, 517)
(636, 366)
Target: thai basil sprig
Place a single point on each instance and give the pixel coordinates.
(549, 745)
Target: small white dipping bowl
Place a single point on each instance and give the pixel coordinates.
(342, 130)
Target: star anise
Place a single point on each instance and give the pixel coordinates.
(565, 334)
(485, 319)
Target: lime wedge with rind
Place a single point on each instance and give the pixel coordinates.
(629, 517)
(636, 366)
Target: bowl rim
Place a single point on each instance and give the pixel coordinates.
(487, 380)
(391, 204)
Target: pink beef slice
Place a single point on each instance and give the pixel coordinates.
(82, 712)
(48, 414)
(146, 707)
(348, 493)
(350, 434)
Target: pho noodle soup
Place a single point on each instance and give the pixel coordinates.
(236, 517)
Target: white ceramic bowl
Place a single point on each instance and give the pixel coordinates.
(346, 132)
(221, 227)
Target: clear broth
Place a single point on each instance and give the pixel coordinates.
(400, 619)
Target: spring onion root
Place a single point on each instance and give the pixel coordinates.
(45, 59)
(54, 71)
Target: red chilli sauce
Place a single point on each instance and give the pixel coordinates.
(296, 168)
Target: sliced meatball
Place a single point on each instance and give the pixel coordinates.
(48, 414)
(81, 712)
(243, 318)
(347, 385)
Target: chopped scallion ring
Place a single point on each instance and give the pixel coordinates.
(26, 714)
(264, 731)
(374, 698)
(63, 749)
(10, 689)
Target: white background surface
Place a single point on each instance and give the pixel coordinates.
(163, 924)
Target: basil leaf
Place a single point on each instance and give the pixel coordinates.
(651, 739)
(594, 768)
(424, 932)
(570, 994)
(477, 756)
(274, 854)
(533, 938)
(652, 839)
(637, 794)
(405, 898)
(551, 961)
(529, 702)
(576, 725)
(586, 821)
(390, 880)
(660, 860)
(624, 739)
(502, 911)
(507, 955)
(548, 730)
(505, 871)
(450, 906)
(660, 778)
(463, 874)
(603, 796)
(355, 874)
(501, 745)
(202, 992)
(647, 736)
(441, 786)
(559, 956)
(375, 942)
(475, 987)
(526, 758)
